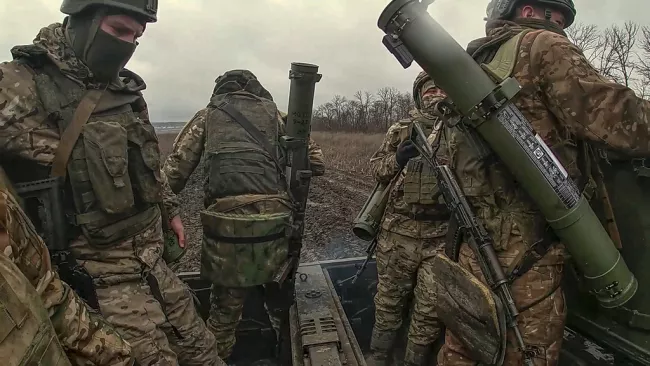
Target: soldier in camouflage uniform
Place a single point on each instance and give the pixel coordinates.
(43, 319)
(412, 231)
(571, 106)
(247, 206)
(65, 112)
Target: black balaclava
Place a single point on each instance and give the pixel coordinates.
(104, 54)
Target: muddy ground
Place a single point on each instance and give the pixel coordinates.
(334, 201)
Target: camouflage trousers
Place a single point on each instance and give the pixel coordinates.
(404, 270)
(542, 325)
(227, 305)
(128, 277)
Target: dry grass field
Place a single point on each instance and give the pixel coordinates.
(334, 199)
(348, 151)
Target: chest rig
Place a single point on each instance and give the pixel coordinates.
(113, 183)
(420, 185)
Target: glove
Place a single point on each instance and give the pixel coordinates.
(405, 151)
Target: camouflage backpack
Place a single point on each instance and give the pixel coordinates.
(247, 222)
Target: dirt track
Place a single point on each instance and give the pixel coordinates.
(334, 201)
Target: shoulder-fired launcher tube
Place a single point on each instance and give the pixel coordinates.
(366, 224)
(414, 33)
(303, 78)
(301, 99)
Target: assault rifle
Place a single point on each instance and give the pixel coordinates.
(480, 241)
(42, 201)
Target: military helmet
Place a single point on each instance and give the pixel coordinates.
(236, 80)
(146, 8)
(419, 82)
(504, 9)
(241, 77)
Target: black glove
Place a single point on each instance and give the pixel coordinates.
(405, 151)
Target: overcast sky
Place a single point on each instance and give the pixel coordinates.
(194, 41)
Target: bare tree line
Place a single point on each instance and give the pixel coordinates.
(364, 112)
(619, 52)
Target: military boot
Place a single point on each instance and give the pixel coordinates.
(380, 346)
(415, 354)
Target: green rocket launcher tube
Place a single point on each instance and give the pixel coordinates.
(366, 224)
(412, 34)
(303, 78)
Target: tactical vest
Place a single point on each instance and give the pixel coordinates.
(248, 216)
(420, 185)
(27, 336)
(114, 179)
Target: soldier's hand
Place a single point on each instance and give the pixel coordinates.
(405, 151)
(177, 226)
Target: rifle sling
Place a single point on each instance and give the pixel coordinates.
(71, 134)
(522, 263)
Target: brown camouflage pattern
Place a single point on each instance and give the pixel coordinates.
(127, 301)
(25, 129)
(397, 217)
(404, 248)
(125, 298)
(85, 336)
(190, 143)
(401, 263)
(566, 100)
(542, 325)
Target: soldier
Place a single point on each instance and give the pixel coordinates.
(247, 205)
(574, 110)
(413, 230)
(70, 110)
(46, 322)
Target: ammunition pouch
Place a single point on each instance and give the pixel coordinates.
(244, 249)
(470, 310)
(420, 185)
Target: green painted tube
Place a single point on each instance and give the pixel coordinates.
(366, 224)
(411, 31)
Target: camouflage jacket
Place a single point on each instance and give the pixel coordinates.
(398, 217)
(567, 101)
(26, 131)
(189, 145)
(85, 336)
